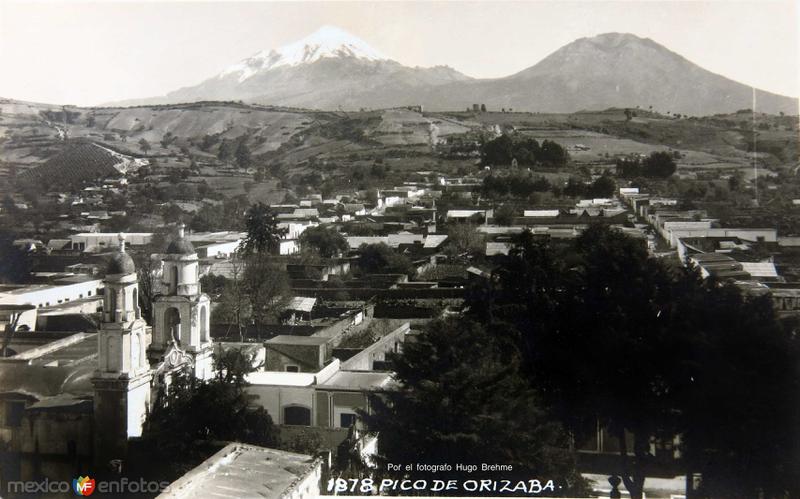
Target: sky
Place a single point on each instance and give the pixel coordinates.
(88, 53)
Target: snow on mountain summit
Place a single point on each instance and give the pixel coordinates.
(328, 41)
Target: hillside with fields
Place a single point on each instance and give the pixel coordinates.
(181, 159)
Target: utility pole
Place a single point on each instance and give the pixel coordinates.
(755, 149)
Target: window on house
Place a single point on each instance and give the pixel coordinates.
(292, 369)
(297, 415)
(347, 419)
(15, 409)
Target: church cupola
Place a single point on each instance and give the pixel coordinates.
(121, 296)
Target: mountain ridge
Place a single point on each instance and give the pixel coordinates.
(331, 69)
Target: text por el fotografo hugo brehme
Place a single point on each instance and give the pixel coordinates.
(532, 486)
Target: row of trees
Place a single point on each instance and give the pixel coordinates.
(523, 184)
(602, 187)
(559, 340)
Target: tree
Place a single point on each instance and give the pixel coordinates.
(741, 405)
(195, 410)
(263, 233)
(228, 216)
(167, 139)
(553, 154)
(659, 164)
(505, 148)
(8, 335)
(305, 441)
(603, 187)
(234, 307)
(147, 273)
(575, 187)
(144, 145)
(381, 259)
(504, 214)
(611, 333)
(461, 399)
(226, 150)
(602, 304)
(267, 287)
(483, 108)
(15, 265)
(736, 181)
(326, 241)
(629, 167)
(242, 154)
(464, 238)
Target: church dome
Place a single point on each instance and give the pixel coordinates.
(120, 263)
(180, 245)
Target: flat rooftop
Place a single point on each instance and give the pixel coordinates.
(240, 470)
(358, 380)
(288, 339)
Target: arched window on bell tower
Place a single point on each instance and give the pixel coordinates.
(203, 324)
(173, 279)
(112, 304)
(172, 324)
(137, 309)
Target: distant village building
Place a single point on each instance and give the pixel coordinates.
(99, 241)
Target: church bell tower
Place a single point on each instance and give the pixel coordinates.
(122, 379)
(181, 311)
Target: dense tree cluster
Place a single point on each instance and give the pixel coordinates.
(225, 216)
(464, 238)
(603, 187)
(660, 164)
(381, 259)
(326, 241)
(600, 331)
(518, 185)
(218, 409)
(611, 334)
(526, 150)
(463, 399)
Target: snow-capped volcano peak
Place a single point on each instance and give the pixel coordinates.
(328, 41)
